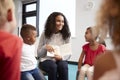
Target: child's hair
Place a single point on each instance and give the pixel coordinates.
(106, 22)
(96, 36)
(50, 26)
(92, 32)
(4, 6)
(26, 30)
(103, 43)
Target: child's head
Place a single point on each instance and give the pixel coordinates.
(89, 35)
(57, 22)
(7, 15)
(28, 33)
(109, 20)
(110, 8)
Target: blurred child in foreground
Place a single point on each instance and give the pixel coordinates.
(10, 45)
(107, 66)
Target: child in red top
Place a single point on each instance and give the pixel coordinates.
(89, 53)
(10, 45)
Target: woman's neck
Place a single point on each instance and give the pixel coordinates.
(57, 32)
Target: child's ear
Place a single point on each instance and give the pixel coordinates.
(9, 15)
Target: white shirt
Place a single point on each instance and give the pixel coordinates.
(28, 60)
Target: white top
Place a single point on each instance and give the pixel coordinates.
(28, 60)
(115, 73)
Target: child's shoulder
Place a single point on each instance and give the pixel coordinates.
(9, 42)
(101, 46)
(103, 63)
(9, 37)
(86, 45)
(106, 59)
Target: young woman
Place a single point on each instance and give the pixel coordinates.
(56, 33)
(107, 66)
(90, 51)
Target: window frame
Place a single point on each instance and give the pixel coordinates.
(26, 14)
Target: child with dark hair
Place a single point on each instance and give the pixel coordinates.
(29, 70)
(56, 33)
(89, 53)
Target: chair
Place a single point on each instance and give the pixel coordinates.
(44, 73)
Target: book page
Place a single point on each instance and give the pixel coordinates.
(56, 51)
(65, 49)
(50, 54)
(62, 50)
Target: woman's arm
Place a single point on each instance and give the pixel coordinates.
(43, 47)
(41, 50)
(80, 60)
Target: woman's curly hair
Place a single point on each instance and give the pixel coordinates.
(50, 26)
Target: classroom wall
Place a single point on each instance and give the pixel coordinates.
(85, 17)
(18, 13)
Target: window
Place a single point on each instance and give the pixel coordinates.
(31, 20)
(30, 14)
(31, 7)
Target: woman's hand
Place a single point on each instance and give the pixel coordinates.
(49, 48)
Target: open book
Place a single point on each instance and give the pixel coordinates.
(62, 50)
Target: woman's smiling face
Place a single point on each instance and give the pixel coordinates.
(59, 23)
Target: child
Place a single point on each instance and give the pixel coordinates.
(10, 45)
(107, 66)
(90, 51)
(29, 70)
